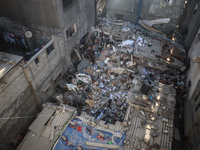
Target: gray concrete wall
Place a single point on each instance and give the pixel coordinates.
(194, 71)
(41, 35)
(127, 8)
(193, 26)
(150, 10)
(40, 12)
(191, 110)
(81, 13)
(48, 17)
(17, 98)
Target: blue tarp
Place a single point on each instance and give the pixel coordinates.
(79, 138)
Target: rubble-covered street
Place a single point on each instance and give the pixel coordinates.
(128, 90)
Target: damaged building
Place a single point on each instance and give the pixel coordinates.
(99, 74)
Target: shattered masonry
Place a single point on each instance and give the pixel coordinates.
(124, 89)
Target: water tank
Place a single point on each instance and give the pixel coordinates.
(147, 86)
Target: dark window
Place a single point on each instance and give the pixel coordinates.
(71, 31)
(119, 16)
(66, 3)
(36, 61)
(50, 49)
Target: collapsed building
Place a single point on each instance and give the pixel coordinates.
(120, 93)
(115, 85)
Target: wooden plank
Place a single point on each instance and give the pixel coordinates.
(127, 113)
(116, 134)
(78, 55)
(140, 107)
(148, 27)
(102, 145)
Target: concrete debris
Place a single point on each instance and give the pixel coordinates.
(72, 87)
(83, 65)
(106, 88)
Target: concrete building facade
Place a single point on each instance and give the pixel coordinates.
(55, 25)
(191, 106)
(133, 10)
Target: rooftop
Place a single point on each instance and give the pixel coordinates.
(7, 62)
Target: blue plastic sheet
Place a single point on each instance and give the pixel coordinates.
(79, 138)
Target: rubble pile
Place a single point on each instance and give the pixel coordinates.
(116, 60)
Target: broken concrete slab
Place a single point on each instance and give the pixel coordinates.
(84, 64)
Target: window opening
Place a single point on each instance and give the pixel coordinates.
(70, 32)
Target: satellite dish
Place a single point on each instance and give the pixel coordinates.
(28, 34)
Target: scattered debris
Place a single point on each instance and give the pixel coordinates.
(125, 89)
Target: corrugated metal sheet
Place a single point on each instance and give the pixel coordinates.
(7, 62)
(58, 121)
(39, 124)
(40, 131)
(35, 142)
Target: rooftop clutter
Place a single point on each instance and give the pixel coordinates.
(125, 89)
(130, 76)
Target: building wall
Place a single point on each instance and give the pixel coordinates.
(194, 71)
(191, 106)
(16, 96)
(81, 13)
(150, 10)
(127, 8)
(39, 12)
(47, 21)
(16, 100)
(40, 34)
(193, 26)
